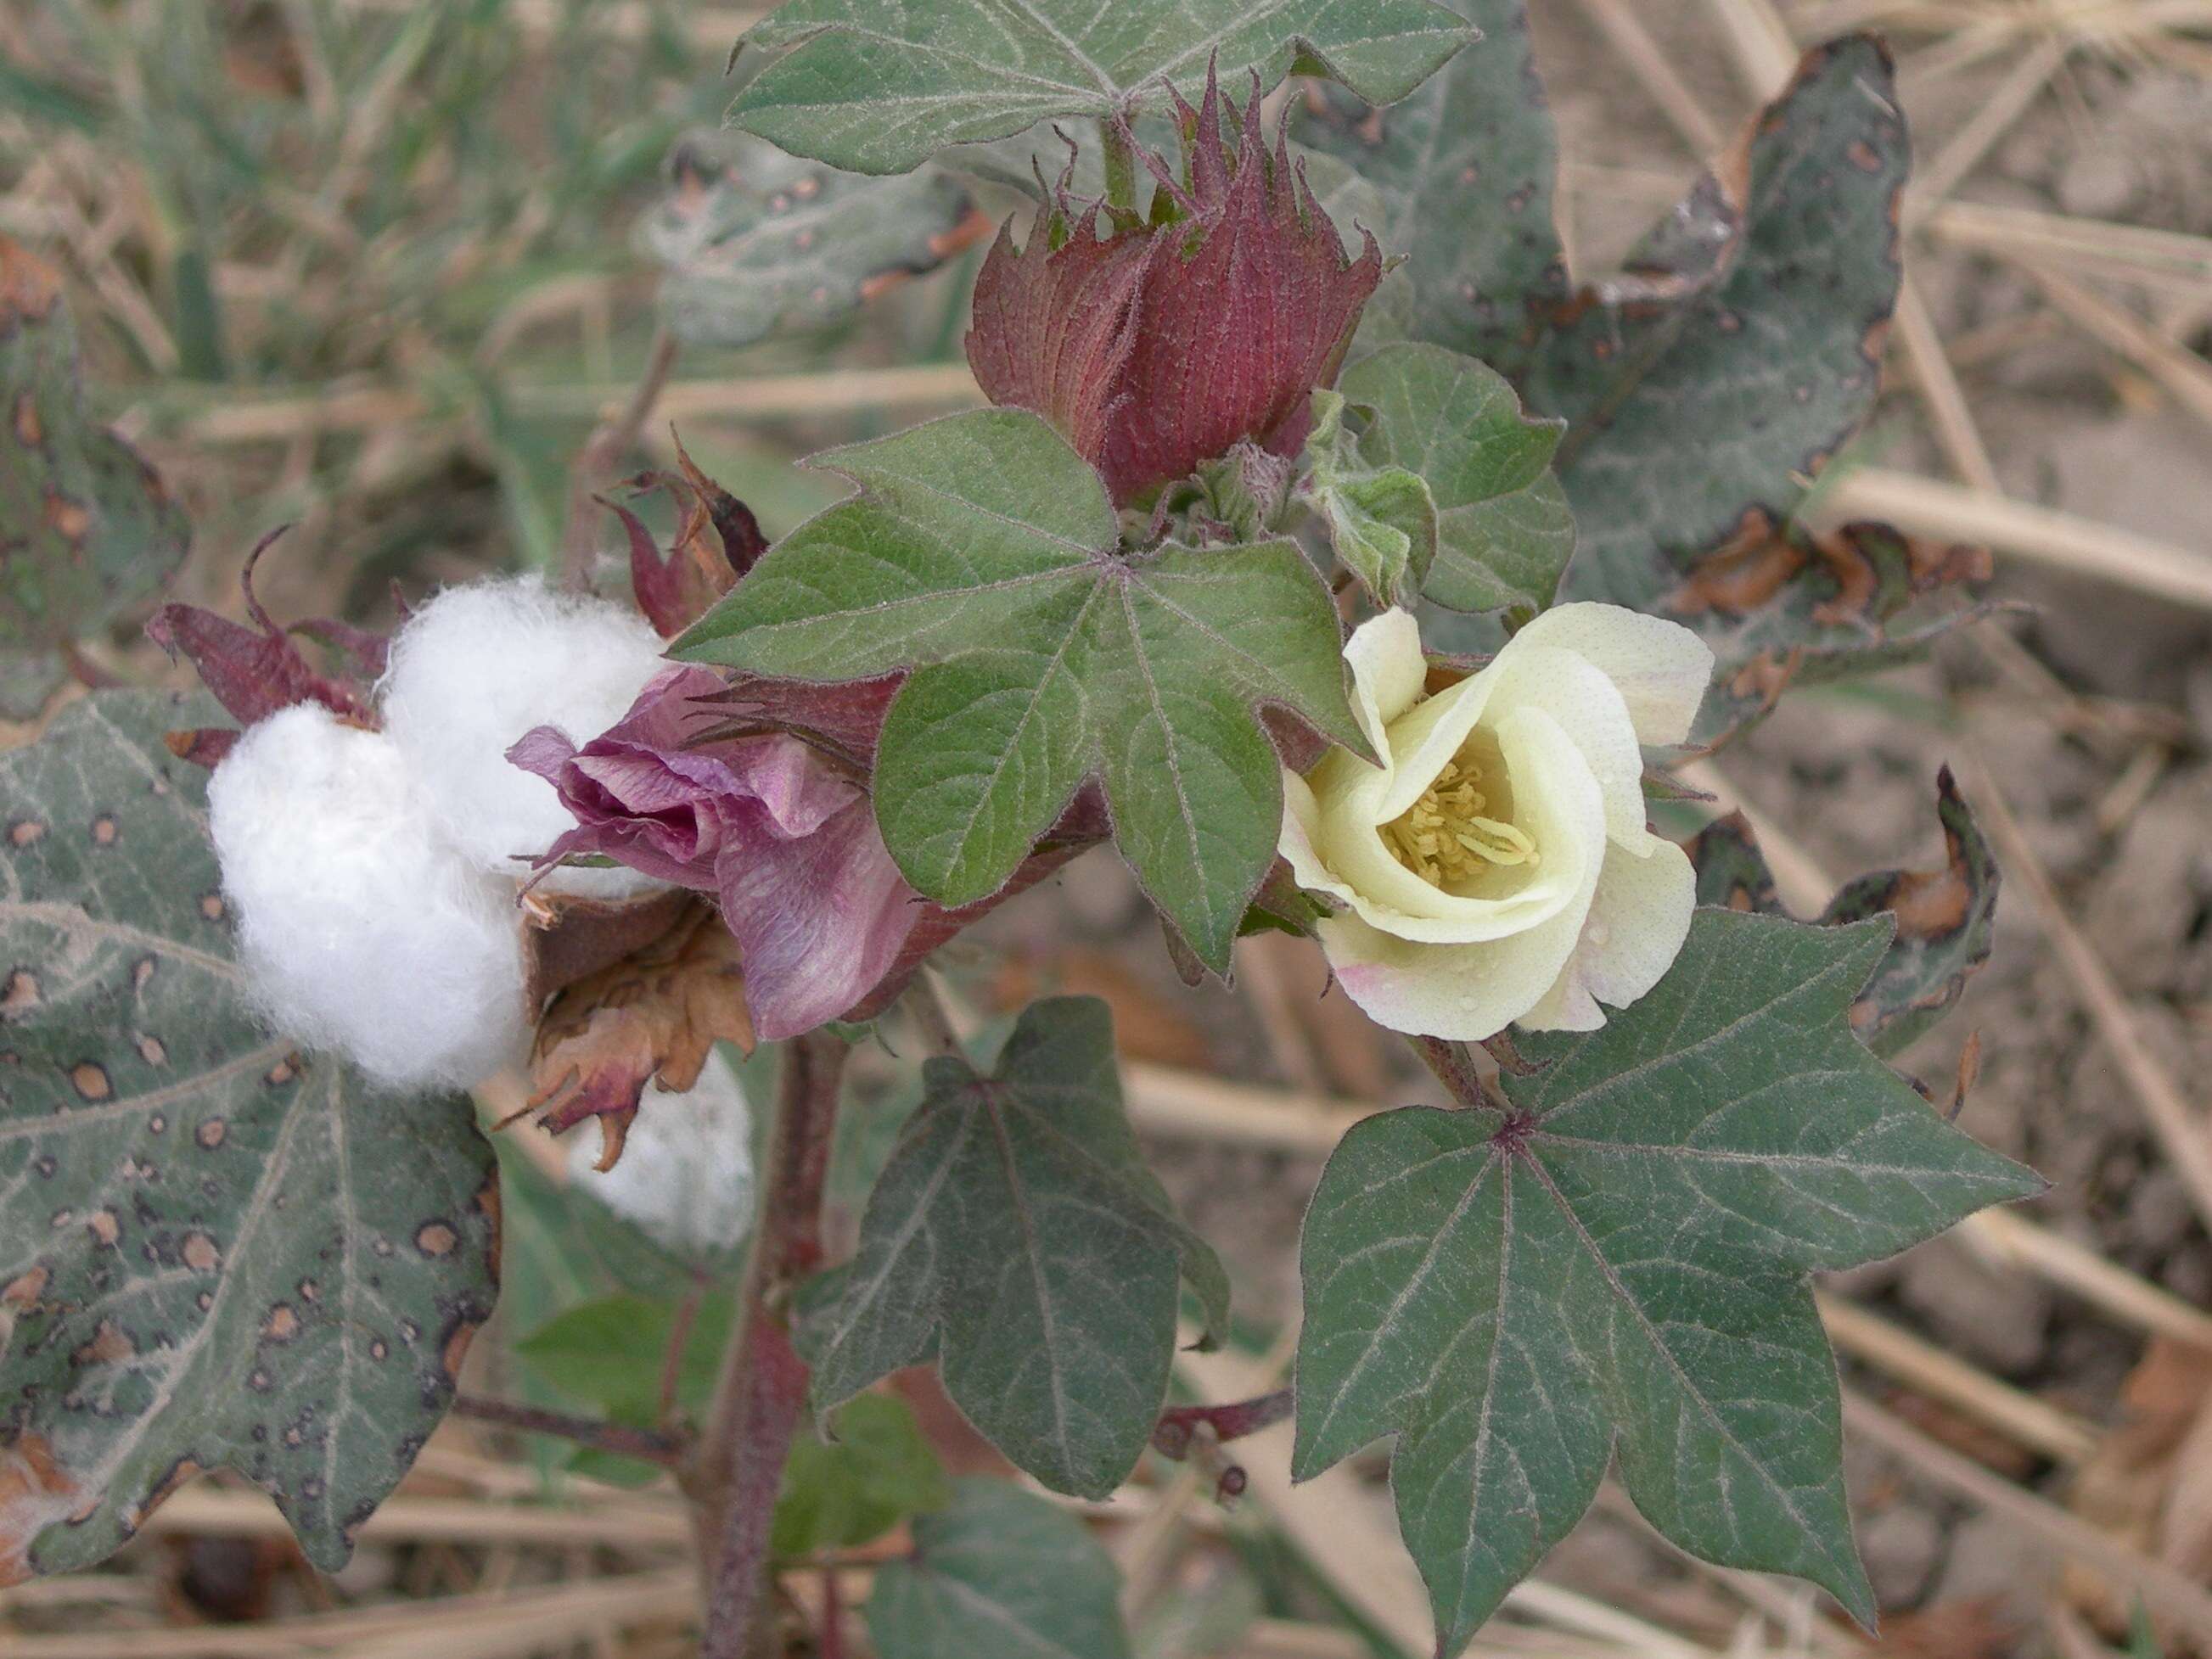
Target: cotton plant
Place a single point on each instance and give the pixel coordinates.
(1324, 554)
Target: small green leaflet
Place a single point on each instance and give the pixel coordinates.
(1381, 521)
(873, 1471)
(879, 86)
(752, 240)
(90, 530)
(1464, 168)
(1016, 1231)
(1002, 1573)
(1504, 533)
(1617, 1260)
(982, 552)
(213, 1253)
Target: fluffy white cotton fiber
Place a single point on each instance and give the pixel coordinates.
(361, 927)
(686, 1172)
(480, 665)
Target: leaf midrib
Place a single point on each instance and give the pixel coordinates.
(1706, 1410)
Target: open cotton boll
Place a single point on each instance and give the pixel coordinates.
(476, 668)
(360, 927)
(686, 1171)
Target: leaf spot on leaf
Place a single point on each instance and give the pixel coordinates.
(25, 832)
(21, 1291)
(109, 1346)
(211, 1133)
(35, 1492)
(200, 1253)
(106, 1227)
(282, 1324)
(105, 830)
(90, 1080)
(20, 993)
(211, 906)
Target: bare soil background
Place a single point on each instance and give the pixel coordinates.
(2030, 1443)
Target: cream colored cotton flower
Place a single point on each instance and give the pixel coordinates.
(1496, 866)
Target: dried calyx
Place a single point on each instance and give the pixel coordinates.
(1170, 338)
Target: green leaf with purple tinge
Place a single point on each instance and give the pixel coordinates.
(1016, 1234)
(1001, 1573)
(214, 1252)
(879, 86)
(1612, 1261)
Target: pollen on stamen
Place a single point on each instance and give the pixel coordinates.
(1443, 836)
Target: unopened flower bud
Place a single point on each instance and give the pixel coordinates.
(1166, 341)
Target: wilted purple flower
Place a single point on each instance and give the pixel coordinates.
(1165, 342)
(787, 843)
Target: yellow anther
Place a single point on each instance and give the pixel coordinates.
(1443, 836)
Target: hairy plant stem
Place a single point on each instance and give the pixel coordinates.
(733, 1480)
(617, 1438)
(602, 453)
(925, 1007)
(1454, 1065)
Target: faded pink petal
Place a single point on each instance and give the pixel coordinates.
(818, 918)
(809, 891)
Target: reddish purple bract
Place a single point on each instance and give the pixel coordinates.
(1160, 345)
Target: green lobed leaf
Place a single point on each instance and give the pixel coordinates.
(90, 530)
(1945, 919)
(213, 1254)
(879, 86)
(1017, 1232)
(1464, 168)
(1504, 533)
(1710, 385)
(753, 240)
(1615, 1259)
(983, 553)
(874, 1471)
(1001, 1572)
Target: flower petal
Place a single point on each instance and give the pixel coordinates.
(819, 920)
(1389, 670)
(1590, 708)
(1469, 991)
(1662, 667)
(1637, 920)
(1301, 827)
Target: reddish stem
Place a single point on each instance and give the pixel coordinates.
(617, 1438)
(1455, 1068)
(679, 1338)
(763, 1387)
(832, 1644)
(1179, 1424)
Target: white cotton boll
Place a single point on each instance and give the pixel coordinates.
(686, 1171)
(361, 928)
(479, 667)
